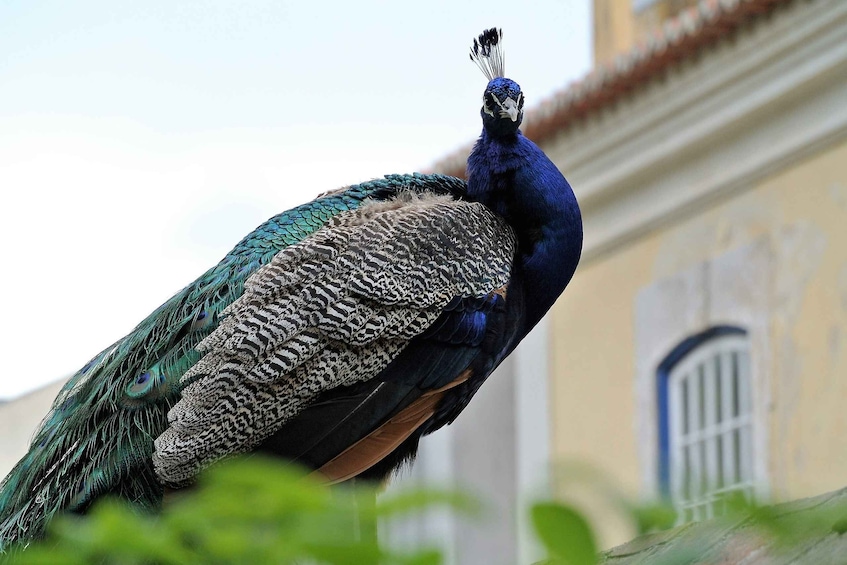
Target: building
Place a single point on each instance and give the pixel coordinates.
(19, 419)
(701, 346)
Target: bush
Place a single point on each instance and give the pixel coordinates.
(246, 511)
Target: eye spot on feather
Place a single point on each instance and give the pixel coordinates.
(140, 386)
(146, 383)
(201, 320)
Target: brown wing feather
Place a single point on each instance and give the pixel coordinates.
(377, 445)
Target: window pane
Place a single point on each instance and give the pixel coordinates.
(736, 455)
(710, 427)
(726, 384)
(735, 385)
(701, 397)
(693, 404)
(745, 387)
(745, 448)
(718, 396)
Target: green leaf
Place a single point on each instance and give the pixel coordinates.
(42, 555)
(651, 517)
(565, 533)
(422, 557)
(410, 501)
(245, 511)
(355, 554)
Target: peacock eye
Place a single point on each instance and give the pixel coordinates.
(142, 378)
(488, 104)
(201, 320)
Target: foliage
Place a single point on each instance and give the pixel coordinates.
(246, 511)
(257, 511)
(565, 533)
(788, 529)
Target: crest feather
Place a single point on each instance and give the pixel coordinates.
(487, 53)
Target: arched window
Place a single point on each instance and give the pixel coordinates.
(705, 422)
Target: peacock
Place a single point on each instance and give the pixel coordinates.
(335, 335)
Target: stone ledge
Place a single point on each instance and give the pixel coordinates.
(814, 530)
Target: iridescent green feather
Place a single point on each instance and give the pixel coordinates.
(98, 437)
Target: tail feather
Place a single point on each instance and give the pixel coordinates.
(98, 437)
(73, 460)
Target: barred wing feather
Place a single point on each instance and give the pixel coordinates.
(98, 437)
(330, 311)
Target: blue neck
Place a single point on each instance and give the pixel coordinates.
(513, 177)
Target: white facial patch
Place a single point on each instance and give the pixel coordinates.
(510, 108)
(485, 107)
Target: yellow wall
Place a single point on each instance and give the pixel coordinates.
(593, 405)
(802, 211)
(810, 337)
(617, 27)
(591, 349)
(613, 29)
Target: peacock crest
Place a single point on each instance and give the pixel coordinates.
(487, 53)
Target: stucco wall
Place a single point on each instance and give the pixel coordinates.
(808, 208)
(797, 220)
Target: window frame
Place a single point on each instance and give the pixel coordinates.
(684, 358)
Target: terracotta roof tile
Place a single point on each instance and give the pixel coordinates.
(678, 39)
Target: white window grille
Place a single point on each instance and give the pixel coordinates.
(711, 427)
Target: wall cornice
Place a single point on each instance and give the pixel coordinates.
(740, 112)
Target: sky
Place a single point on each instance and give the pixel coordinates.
(139, 141)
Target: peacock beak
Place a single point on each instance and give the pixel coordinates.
(509, 108)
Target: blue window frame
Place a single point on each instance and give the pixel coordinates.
(705, 421)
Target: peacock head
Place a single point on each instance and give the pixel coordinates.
(502, 106)
(502, 101)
